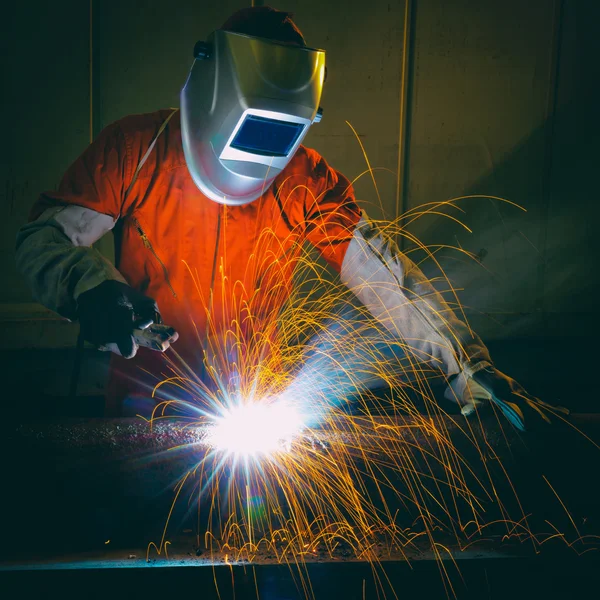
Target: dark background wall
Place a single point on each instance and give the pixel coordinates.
(449, 98)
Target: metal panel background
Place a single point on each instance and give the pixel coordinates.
(364, 64)
(483, 73)
(569, 284)
(45, 93)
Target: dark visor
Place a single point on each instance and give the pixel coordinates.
(267, 137)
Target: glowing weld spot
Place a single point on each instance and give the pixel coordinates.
(256, 429)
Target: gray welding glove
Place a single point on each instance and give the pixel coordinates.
(523, 411)
(467, 393)
(482, 385)
(111, 313)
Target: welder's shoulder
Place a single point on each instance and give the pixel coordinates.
(139, 131)
(143, 128)
(309, 162)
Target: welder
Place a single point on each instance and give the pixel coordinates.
(223, 190)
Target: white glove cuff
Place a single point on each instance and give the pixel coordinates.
(469, 369)
(464, 390)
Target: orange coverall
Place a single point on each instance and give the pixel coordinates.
(172, 242)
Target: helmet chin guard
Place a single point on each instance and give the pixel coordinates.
(245, 108)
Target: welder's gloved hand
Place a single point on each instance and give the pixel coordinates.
(467, 393)
(110, 314)
(485, 385)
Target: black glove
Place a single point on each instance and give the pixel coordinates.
(519, 407)
(110, 312)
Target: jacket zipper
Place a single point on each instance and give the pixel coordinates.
(148, 244)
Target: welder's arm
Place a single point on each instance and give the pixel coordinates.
(54, 251)
(399, 295)
(394, 290)
(70, 277)
(55, 256)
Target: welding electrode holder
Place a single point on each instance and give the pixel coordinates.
(115, 317)
(156, 337)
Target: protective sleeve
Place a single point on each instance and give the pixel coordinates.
(401, 297)
(55, 257)
(53, 251)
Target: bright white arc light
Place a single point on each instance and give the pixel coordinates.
(256, 429)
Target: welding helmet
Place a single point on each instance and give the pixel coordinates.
(245, 108)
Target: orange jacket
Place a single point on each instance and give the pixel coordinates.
(175, 245)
